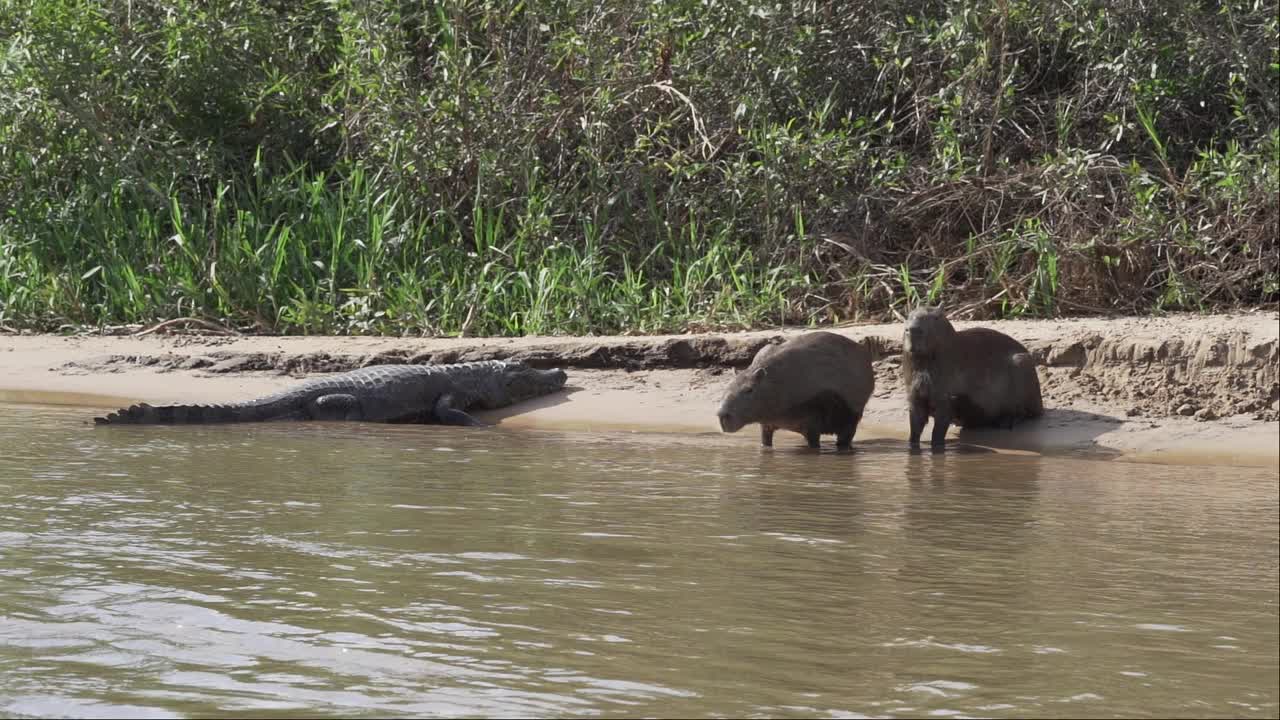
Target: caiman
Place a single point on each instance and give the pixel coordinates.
(433, 394)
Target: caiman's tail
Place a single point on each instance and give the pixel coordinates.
(144, 414)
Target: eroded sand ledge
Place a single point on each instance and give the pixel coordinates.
(1178, 389)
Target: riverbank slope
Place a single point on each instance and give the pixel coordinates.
(1184, 388)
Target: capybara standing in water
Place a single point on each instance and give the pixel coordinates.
(814, 384)
(974, 378)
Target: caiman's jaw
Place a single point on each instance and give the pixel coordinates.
(554, 378)
(524, 382)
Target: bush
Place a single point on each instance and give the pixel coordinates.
(566, 166)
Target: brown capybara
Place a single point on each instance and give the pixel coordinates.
(813, 384)
(974, 378)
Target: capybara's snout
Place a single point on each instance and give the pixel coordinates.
(729, 423)
(915, 337)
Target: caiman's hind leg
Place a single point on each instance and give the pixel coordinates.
(447, 414)
(338, 406)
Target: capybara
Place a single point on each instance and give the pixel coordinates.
(813, 384)
(975, 378)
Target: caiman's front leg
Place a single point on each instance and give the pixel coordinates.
(447, 414)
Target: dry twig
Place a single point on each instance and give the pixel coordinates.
(206, 324)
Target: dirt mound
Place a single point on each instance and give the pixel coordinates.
(1207, 378)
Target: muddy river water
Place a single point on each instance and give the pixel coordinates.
(351, 570)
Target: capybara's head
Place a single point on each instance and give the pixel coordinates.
(746, 400)
(927, 329)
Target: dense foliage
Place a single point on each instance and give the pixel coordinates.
(608, 165)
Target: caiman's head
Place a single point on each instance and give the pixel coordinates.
(523, 382)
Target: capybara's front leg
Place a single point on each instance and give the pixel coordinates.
(941, 421)
(766, 435)
(919, 416)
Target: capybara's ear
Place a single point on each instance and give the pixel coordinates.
(761, 373)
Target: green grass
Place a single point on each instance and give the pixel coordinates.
(489, 168)
(315, 254)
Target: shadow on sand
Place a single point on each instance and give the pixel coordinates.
(1059, 430)
(539, 403)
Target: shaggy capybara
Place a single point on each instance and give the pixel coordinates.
(975, 378)
(813, 384)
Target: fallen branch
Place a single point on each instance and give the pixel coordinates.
(206, 324)
(1087, 308)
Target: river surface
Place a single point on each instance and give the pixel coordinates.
(290, 570)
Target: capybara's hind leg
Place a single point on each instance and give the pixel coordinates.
(844, 438)
(813, 437)
(1026, 386)
(941, 423)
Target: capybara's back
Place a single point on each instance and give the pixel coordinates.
(995, 380)
(816, 383)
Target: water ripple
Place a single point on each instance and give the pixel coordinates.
(344, 569)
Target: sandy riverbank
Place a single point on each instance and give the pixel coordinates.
(1175, 389)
